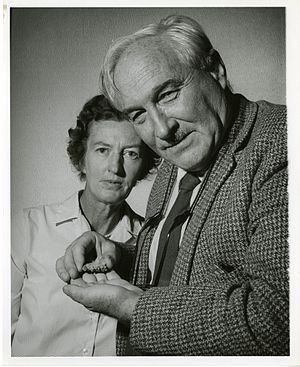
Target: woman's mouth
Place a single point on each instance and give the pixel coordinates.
(112, 184)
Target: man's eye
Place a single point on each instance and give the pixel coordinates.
(131, 154)
(168, 96)
(137, 117)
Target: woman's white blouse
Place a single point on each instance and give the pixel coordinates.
(46, 322)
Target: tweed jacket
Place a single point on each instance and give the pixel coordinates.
(229, 292)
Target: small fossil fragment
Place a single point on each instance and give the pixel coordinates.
(102, 264)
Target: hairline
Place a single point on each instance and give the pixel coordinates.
(123, 44)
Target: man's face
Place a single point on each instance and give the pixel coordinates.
(179, 113)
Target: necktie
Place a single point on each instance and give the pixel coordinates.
(170, 233)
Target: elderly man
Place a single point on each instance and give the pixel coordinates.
(211, 267)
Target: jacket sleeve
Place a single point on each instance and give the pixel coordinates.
(243, 312)
(18, 267)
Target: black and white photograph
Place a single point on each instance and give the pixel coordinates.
(153, 192)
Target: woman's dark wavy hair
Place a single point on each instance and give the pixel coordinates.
(98, 109)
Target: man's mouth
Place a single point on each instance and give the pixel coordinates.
(176, 142)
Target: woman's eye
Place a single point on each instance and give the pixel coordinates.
(102, 150)
(168, 96)
(131, 154)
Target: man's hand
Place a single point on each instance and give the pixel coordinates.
(111, 296)
(86, 248)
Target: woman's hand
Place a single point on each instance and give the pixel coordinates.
(87, 248)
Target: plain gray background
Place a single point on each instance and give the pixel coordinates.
(56, 55)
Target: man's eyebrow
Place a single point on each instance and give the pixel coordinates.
(168, 83)
(155, 92)
(132, 146)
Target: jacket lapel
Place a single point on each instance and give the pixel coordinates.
(157, 203)
(220, 171)
(208, 191)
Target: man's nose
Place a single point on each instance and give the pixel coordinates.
(164, 126)
(115, 164)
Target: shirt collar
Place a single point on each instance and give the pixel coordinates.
(68, 209)
(181, 172)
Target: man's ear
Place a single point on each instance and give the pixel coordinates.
(216, 68)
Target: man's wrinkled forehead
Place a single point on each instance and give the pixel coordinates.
(142, 61)
(148, 45)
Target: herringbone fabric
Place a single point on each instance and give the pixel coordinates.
(229, 293)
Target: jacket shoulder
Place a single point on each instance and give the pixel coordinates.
(272, 115)
(270, 128)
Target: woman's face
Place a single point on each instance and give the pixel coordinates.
(113, 161)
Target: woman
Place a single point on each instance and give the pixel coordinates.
(111, 158)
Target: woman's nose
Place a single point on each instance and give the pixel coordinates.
(115, 164)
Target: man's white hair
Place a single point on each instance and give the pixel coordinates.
(192, 46)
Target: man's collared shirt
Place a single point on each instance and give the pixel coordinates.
(46, 322)
(174, 194)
